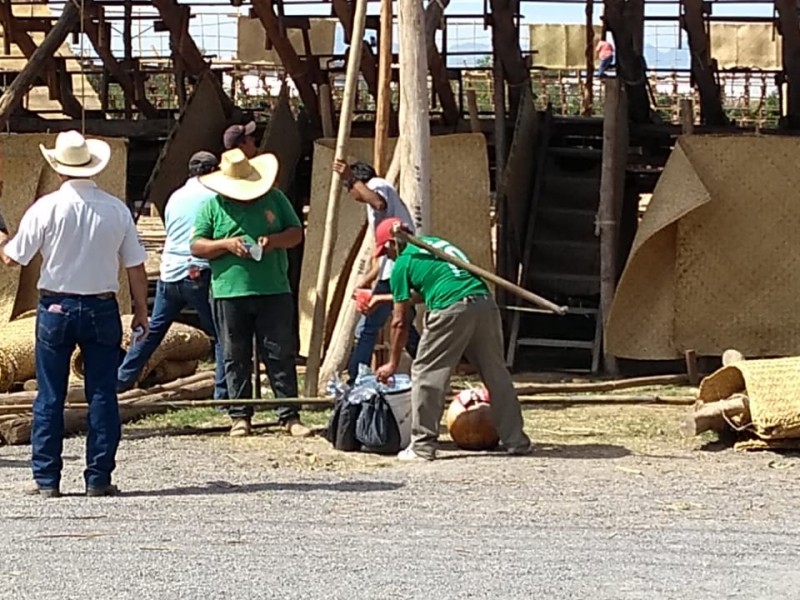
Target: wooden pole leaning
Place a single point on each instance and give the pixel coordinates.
(404, 236)
(332, 215)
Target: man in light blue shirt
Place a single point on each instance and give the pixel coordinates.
(184, 280)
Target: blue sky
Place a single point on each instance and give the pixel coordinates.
(214, 27)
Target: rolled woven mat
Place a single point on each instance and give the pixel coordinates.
(773, 387)
(182, 343)
(170, 370)
(17, 353)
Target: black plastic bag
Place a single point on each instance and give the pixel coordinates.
(341, 431)
(376, 427)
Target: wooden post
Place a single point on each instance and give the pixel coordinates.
(33, 69)
(127, 40)
(384, 108)
(415, 174)
(692, 368)
(326, 110)
(474, 119)
(687, 116)
(332, 214)
(612, 188)
(588, 92)
(790, 34)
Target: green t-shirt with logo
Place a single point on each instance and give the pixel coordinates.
(232, 276)
(439, 283)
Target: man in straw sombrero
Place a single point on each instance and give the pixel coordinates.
(244, 234)
(82, 233)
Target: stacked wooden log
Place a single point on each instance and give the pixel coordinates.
(732, 413)
(16, 410)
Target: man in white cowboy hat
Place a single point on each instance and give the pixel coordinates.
(82, 233)
(244, 234)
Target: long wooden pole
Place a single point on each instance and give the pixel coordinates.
(332, 215)
(384, 108)
(33, 69)
(612, 188)
(482, 273)
(415, 173)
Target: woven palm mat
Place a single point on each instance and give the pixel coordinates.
(773, 387)
(713, 264)
(181, 344)
(459, 211)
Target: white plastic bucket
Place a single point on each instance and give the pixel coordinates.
(400, 403)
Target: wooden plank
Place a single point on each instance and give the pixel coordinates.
(14, 93)
(587, 104)
(176, 17)
(369, 65)
(687, 116)
(332, 214)
(136, 129)
(612, 187)
(787, 14)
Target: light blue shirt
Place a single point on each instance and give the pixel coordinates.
(179, 217)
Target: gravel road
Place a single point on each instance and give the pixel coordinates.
(220, 518)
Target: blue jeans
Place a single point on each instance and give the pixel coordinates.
(371, 326)
(171, 299)
(92, 324)
(270, 317)
(605, 65)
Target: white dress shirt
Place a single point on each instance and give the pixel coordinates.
(82, 233)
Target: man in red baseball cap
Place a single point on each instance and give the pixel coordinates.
(462, 320)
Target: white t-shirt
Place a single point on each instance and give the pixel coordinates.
(82, 233)
(395, 207)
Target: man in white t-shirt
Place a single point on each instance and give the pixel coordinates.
(83, 234)
(382, 202)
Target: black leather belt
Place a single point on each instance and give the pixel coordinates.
(50, 294)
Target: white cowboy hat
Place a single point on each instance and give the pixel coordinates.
(242, 179)
(75, 156)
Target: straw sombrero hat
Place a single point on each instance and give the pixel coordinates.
(242, 179)
(75, 156)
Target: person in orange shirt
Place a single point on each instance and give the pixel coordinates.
(605, 52)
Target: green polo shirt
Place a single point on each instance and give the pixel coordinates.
(234, 277)
(439, 283)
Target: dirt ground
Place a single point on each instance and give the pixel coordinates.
(612, 504)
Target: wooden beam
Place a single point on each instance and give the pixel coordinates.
(787, 25)
(326, 110)
(176, 17)
(22, 83)
(332, 213)
(297, 69)
(415, 174)
(687, 116)
(54, 78)
(505, 40)
(384, 109)
(587, 103)
(102, 45)
(620, 18)
(369, 65)
(612, 190)
(704, 70)
(434, 20)
(135, 129)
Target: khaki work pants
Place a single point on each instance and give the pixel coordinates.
(471, 328)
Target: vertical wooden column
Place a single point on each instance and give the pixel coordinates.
(687, 116)
(588, 92)
(127, 39)
(500, 149)
(790, 33)
(326, 109)
(384, 108)
(415, 174)
(612, 189)
(332, 214)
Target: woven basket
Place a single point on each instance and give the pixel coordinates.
(773, 387)
(17, 352)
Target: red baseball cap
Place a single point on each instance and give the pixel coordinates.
(384, 232)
